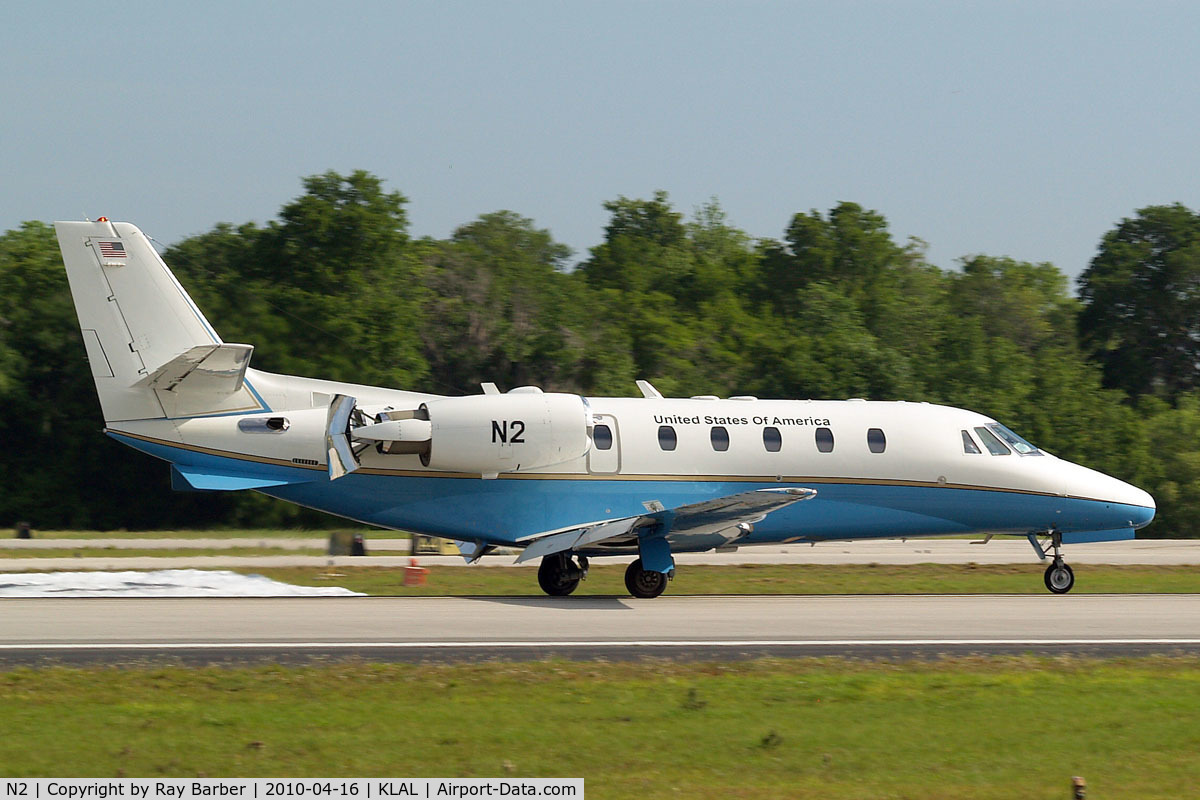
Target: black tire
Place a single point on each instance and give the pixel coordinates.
(644, 583)
(1059, 578)
(554, 575)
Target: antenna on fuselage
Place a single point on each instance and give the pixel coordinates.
(648, 390)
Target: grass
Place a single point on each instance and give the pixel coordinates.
(811, 728)
(608, 579)
(231, 533)
(697, 579)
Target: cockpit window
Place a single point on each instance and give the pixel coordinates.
(993, 445)
(1015, 442)
(969, 445)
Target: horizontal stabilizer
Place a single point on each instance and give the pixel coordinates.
(216, 369)
(188, 478)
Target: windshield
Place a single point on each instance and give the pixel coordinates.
(1015, 442)
(992, 443)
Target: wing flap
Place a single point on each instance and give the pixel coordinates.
(578, 537)
(722, 513)
(694, 521)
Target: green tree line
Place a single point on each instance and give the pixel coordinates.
(336, 287)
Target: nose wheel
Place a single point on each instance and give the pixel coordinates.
(1059, 577)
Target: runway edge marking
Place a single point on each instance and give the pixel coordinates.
(572, 644)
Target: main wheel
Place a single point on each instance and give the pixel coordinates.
(1059, 578)
(644, 583)
(557, 576)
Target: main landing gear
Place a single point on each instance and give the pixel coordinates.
(559, 575)
(643, 582)
(1059, 577)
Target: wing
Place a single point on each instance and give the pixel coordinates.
(710, 522)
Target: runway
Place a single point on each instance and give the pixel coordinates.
(225, 630)
(1158, 552)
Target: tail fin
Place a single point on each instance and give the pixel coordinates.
(144, 335)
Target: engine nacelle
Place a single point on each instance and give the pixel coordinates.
(494, 433)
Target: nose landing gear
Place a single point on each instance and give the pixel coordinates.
(1059, 576)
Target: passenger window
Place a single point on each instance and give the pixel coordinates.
(993, 445)
(824, 440)
(666, 437)
(969, 445)
(876, 441)
(720, 438)
(602, 436)
(772, 440)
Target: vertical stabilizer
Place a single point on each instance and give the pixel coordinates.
(134, 316)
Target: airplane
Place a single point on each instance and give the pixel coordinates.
(562, 477)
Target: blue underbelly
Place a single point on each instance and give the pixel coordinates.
(507, 510)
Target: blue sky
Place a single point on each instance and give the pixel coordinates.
(1020, 129)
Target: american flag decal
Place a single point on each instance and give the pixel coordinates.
(112, 250)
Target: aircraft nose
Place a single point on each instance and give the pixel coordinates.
(1139, 503)
(1143, 506)
(1136, 507)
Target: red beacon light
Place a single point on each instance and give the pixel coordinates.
(102, 219)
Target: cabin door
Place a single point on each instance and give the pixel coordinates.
(605, 455)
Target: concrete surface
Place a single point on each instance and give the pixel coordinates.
(888, 551)
(454, 628)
